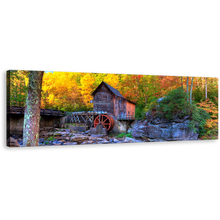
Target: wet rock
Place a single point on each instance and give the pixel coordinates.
(156, 140)
(96, 139)
(97, 135)
(61, 133)
(78, 128)
(91, 131)
(131, 140)
(12, 142)
(79, 138)
(71, 143)
(129, 130)
(115, 140)
(103, 142)
(88, 142)
(62, 141)
(66, 138)
(57, 144)
(104, 131)
(133, 123)
(41, 140)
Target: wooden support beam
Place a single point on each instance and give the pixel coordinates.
(82, 116)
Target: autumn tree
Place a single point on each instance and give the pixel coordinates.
(17, 81)
(86, 88)
(32, 110)
(112, 80)
(211, 125)
(99, 77)
(206, 94)
(61, 91)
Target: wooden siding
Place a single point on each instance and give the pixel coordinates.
(105, 100)
(130, 109)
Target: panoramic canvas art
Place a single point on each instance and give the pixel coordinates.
(76, 108)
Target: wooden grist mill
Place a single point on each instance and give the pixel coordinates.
(109, 106)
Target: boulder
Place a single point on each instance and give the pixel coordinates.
(88, 142)
(133, 123)
(97, 135)
(98, 130)
(157, 129)
(79, 138)
(78, 128)
(129, 130)
(131, 140)
(71, 143)
(104, 131)
(103, 142)
(101, 130)
(12, 142)
(122, 126)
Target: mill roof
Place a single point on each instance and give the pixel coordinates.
(113, 90)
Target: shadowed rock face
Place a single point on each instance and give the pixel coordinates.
(155, 129)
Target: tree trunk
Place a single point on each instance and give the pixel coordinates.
(206, 95)
(32, 109)
(191, 91)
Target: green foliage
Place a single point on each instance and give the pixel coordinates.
(211, 125)
(139, 112)
(17, 87)
(151, 104)
(120, 135)
(129, 135)
(174, 104)
(198, 119)
(124, 135)
(198, 95)
(52, 138)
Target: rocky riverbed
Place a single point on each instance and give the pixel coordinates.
(68, 137)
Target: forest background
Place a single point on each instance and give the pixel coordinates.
(71, 91)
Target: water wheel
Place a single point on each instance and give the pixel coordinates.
(106, 120)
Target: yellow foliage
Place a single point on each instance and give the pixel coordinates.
(112, 80)
(86, 89)
(60, 91)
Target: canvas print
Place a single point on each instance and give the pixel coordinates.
(46, 108)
